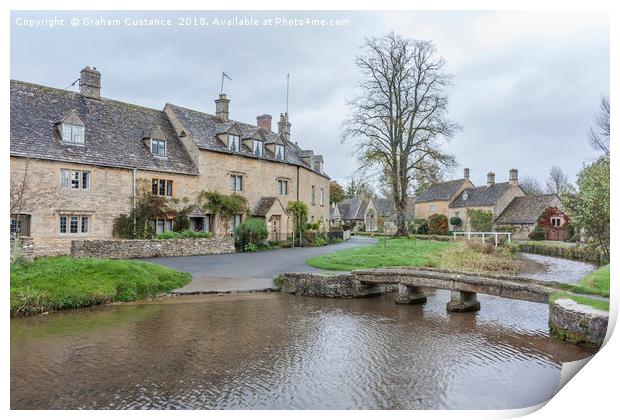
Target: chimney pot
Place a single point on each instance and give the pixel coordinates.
(466, 173)
(490, 179)
(514, 177)
(264, 121)
(221, 107)
(90, 83)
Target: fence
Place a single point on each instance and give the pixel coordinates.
(483, 235)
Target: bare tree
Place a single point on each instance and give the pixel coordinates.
(600, 134)
(530, 185)
(400, 114)
(558, 182)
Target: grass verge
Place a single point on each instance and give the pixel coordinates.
(64, 282)
(598, 280)
(583, 300)
(410, 253)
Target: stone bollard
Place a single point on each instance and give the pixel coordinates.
(409, 295)
(463, 302)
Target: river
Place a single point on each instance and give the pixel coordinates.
(260, 351)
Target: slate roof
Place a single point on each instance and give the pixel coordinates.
(527, 209)
(204, 129)
(263, 205)
(442, 191)
(481, 196)
(113, 134)
(353, 208)
(384, 206)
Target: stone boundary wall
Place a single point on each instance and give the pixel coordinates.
(576, 323)
(146, 248)
(576, 252)
(26, 248)
(328, 285)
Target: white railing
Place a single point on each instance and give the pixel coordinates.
(483, 235)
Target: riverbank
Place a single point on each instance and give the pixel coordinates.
(410, 253)
(54, 283)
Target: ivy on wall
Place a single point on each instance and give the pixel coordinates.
(480, 220)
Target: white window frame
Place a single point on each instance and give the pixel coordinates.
(558, 219)
(258, 147)
(280, 151)
(82, 224)
(156, 145)
(236, 183)
(74, 179)
(234, 143)
(72, 134)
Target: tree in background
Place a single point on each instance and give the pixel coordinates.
(530, 185)
(599, 135)
(558, 182)
(588, 207)
(336, 192)
(401, 113)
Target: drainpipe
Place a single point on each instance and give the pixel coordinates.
(134, 175)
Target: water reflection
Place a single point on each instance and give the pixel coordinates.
(282, 351)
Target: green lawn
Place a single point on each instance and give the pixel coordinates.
(583, 300)
(597, 280)
(64, 282)
(407, 252)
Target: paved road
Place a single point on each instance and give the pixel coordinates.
(248, 271)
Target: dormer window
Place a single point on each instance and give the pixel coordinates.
(233, 143)
(279, 151)
(72, 134)
(158, 147)
(257, 147)
(465, 196)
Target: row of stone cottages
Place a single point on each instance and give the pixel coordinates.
(510, 207)
(79, 159)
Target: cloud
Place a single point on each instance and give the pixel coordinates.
(526, 84)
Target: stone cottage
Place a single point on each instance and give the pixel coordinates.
(522, 215)
(437, 198)
(493, 197)
(359, 213)
(80, 158)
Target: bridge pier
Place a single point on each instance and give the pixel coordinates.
(463, 302)
(409, 295)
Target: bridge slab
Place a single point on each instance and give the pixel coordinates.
(409, 295)
(463, 302)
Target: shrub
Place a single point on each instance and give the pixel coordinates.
(251, 247)
(437, 224)
(419, 226)
(480, 220)
(455, 221)
(320, 241)
(505, 228)
(252, 231)
(181, 221)
(484, 248)
(183, 235)
(538, 234)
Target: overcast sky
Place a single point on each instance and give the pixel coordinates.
(526, 84)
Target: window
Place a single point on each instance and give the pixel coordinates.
(432, 207)
(74, 224)
(322, 197)
(20, 226)
(233, 222)
(556, 221)
(312, 196)
(282, 187)
(162, 187)
(74, 179)
(236, 183)
(162, 225)
(158, 147)
(73, 134)
(465, 195)
(257, 147)
(280, 151)
(233, 142)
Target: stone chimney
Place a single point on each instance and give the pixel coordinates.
(221, 107)
(284, 127)
(264, 121)
(490, 179)
(466, 173)
(514, 177)
(90, 83)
